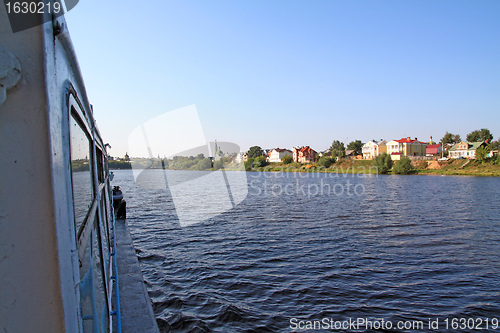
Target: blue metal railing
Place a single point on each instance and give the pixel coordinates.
(117, 311)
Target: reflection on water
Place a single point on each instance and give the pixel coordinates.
(402, 248)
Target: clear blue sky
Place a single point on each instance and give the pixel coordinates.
(287, 73)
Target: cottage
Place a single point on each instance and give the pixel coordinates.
(304, 154)
(276, 155)
(373, 148)
(353, 154)
(433, 150)
(465, 149)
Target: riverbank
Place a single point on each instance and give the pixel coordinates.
(463, 168)
(451, 168)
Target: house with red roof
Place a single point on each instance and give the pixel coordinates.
(406, 147)
(304, 154)
(433, 150)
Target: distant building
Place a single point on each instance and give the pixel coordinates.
(126, 158)
(276, 155)
(239, 157)
(406, 147)
(373, 148)
(326, 153)
(304, 154)
(433, 150)
(465, 149)
(353, 154)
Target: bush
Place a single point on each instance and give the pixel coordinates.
(260, 162)
(249, 164)
(482, 153)
(383, 163)
(287, 159)
(218, 164)
(325, 161)
(204, 164)
(403, 167)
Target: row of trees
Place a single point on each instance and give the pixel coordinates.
(338, 150)
(482, 134)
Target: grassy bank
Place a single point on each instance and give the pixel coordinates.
(464, 168)
(451, 167)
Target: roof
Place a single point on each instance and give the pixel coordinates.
(304, 149)
(280, 150)
(409, 140)
(472, 145)
(377, 143)
(475, 145)
(349, 151)
(432, 149)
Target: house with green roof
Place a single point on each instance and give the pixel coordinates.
(465, 149)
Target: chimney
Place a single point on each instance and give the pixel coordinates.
(408, 138)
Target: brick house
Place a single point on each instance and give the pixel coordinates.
(304, 154)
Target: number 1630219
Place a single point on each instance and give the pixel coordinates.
(34, 7)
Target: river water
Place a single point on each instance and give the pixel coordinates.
(297, 252)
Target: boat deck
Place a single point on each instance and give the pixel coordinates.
(136, 312)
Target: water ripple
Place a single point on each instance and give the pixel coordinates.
(409, 248)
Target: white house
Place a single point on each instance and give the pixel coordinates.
(373, 148)
(276, 155)
(465, 149)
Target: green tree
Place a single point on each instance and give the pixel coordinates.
(218, 164)
(204, 164)
(403, 167)
(287, 159)
(494, 145)
(254, 152)
(450, 138)
(260, 162)
(337, 149)
(482, 153)
(356, 146)
(383, 163)
(249, 164)
(325, 161)
(480, 135)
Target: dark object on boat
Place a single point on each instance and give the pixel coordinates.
(119, 204)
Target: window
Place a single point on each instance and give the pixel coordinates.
(80, 171)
